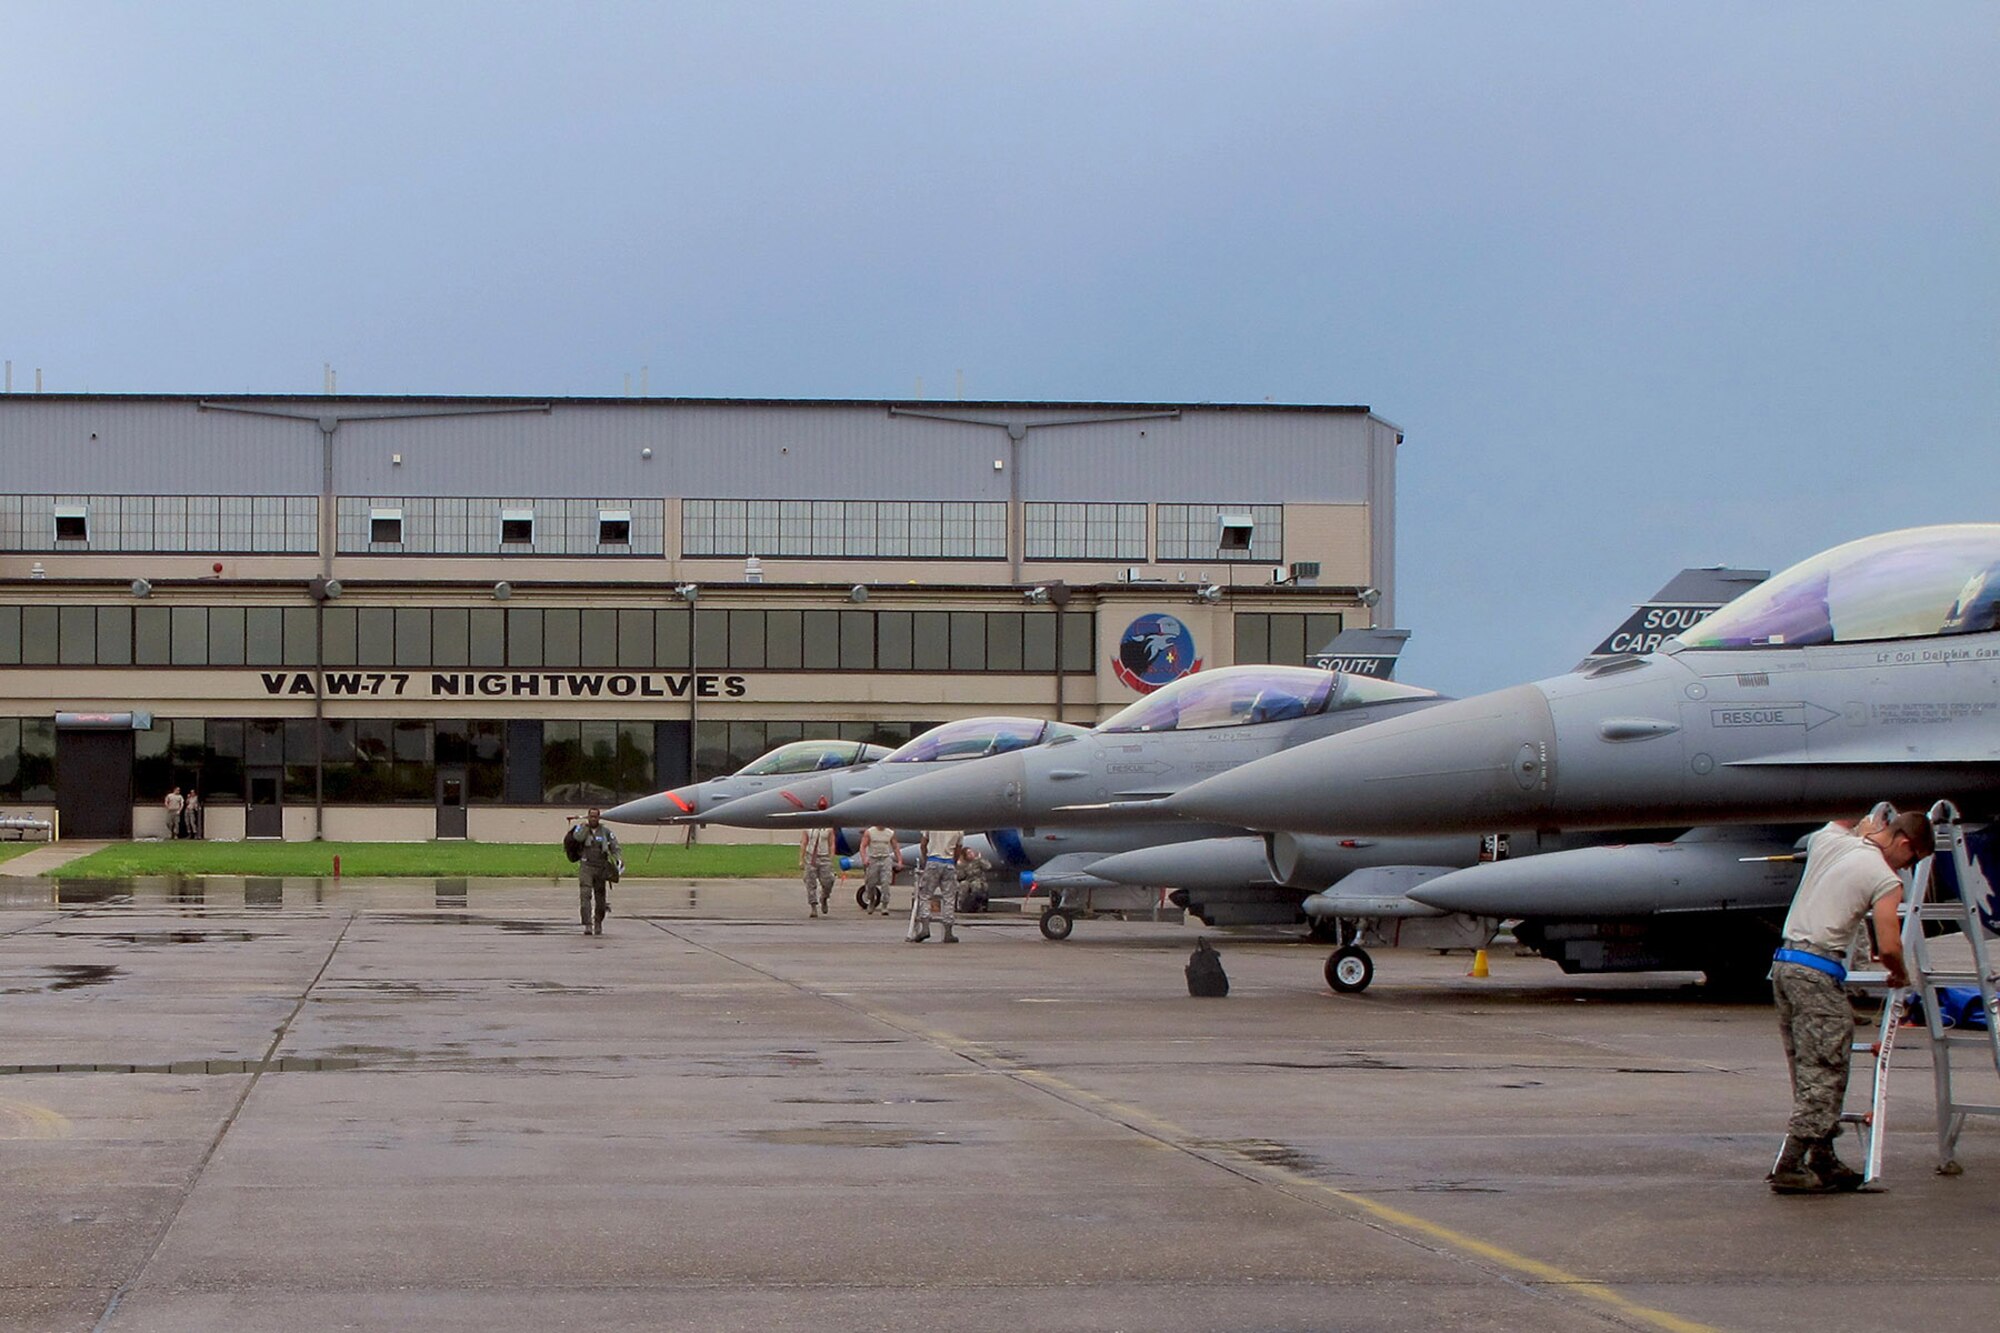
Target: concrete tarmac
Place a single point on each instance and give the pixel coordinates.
(279, 1106)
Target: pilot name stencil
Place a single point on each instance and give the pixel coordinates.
(508, 685)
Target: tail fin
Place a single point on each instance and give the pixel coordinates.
(1687, 600)
(1363, 652)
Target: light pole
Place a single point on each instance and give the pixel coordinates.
(689, 593)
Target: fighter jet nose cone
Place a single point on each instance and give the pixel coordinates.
(971, 794)
(664, 808)
(772, 808)
(1479, 764)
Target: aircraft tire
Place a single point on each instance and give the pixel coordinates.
(1350, 970)
(861, 897)
(1057, 924)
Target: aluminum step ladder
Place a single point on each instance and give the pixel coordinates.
(1955, 889)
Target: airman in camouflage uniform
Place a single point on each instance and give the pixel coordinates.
(943, 849)
(1851, 874)
(881, 858)
(816, 868)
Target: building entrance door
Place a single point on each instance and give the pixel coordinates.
(264, 813)
(94, 783)
(451, 803)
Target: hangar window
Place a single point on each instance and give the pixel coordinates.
(1284, 638)
(385, 527)
(1218, 532)
(819, 529)
(72, 523)
(1083, 531)
(517, 527)
(614, 527)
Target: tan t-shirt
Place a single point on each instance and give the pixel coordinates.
(1845, 877)
(943, 844)
(877, 840)
(817, 842)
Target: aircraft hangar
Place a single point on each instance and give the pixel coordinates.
(400, 618)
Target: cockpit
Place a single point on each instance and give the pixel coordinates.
(1246, 695)
(1914, 584)
(813, 757)
(975, 737)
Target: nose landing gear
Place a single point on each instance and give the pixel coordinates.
(1350, 969)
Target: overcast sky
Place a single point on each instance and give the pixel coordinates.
(1645, 285)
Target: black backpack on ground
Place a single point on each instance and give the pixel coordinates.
(1205, 976)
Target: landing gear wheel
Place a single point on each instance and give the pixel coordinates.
(861, 898)
(1350, 970)
(1057, 924)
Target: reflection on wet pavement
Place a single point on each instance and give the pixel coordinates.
(851, 1136)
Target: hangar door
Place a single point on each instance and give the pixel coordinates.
(94, 782)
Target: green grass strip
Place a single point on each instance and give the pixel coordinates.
(10, 850)
(643, 860)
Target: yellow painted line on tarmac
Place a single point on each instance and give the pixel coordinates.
(1178, 1138)
(25, 1120)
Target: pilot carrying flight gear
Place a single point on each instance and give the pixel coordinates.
(598, 865)
(816, 867)
(937, 885)
(881, 859)
(1851, 875)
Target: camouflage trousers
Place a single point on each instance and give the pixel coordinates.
(1817, 1025)
(818, 875)
(875, 882)
(940, 882)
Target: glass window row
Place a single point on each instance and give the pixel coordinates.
(605, 638)
(838, 529)
(268, 524)
(458, 525)
(397, 761)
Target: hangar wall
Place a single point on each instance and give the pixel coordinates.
(339, 616)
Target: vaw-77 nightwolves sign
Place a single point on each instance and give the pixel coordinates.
(509, 684)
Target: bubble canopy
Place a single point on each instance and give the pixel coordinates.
(812, 757)
(1913, 584)
(1246, 695)
(976, 736)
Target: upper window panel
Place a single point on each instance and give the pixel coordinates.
(459, 525)
(203, 524)
(975, 737)
(1916, 583)
(824, 529)
(1085, 531)
(1198, 532)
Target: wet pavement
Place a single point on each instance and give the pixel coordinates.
(262, 1104)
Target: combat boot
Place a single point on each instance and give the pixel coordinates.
(1834, 1174)
(1791, 1175)
(949, 938)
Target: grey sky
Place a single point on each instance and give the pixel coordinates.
(1646, 285)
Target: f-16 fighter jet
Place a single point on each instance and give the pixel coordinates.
(683, 805)
(1869, 672)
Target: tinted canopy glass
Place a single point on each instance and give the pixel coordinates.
(1246, 695)
(977, 736)
(1916, 583)
(813, 756)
